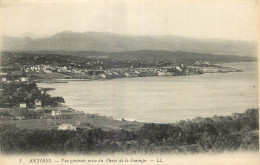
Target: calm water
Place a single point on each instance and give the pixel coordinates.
(165, 99)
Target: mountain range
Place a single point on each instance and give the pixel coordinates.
(110, 42)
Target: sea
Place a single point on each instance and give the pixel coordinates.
(165, 99)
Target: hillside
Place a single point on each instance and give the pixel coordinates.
(238, 132)
(142, 55)
(145, 55)
(109, 42)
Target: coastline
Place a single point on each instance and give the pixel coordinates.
(125, 83)
(216, 68)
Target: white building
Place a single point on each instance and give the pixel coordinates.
(103, 75)
(4, 79)
(22, 105)
(160, 73)
(23, 79)
(66, 127)
(37, 68)
(178, 68)
(55, 113)
(64, 68)
(132, 74)
(2, 74)
(47, 71)
(38, 104)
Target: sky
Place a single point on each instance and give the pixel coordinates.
(223, 19)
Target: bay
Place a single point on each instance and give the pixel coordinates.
(164, 99)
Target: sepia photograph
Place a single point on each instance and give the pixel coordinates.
(129, 82)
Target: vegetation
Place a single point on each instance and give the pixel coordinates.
(216, 134)
(15, 93)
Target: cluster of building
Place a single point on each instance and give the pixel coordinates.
(85, 73)
(17, 79)
(204, 63)
(37, 105)
(64, 113)
(43, 69)
(74, 127)
(177, 70)
(59, 69)
(129, 72)
(142, 72)
(51, 69)
(56, 112)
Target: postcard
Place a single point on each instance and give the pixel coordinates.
(129, 82)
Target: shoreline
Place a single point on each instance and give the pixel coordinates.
(52, 81)
(213, 69)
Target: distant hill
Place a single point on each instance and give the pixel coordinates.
(163, 55)
(109, 42)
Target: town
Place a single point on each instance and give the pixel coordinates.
(23, 67)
